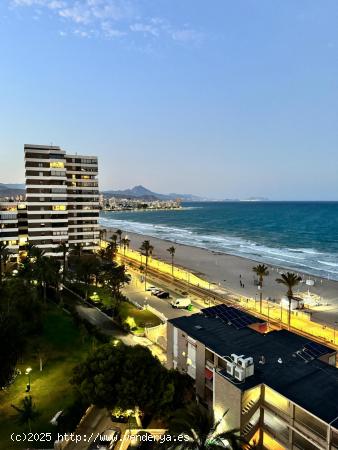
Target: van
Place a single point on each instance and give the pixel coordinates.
(181, 303)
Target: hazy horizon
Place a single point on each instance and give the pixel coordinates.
(234, 100)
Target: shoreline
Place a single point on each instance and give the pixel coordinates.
(227, 271)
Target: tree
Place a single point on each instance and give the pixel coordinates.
(102, 253)
(112, 247)
(119, 234)
(261, 270)
(11, 345)
(172, 251)
(63, 248)
(198, 430)
(102, 235)
(115, 277)
(27, 413)
(290, 280)
(127, 377)
(3, 258)
(86, 267)
(47, 272)
(146, 250)
(125, 245)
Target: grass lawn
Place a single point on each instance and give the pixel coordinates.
(142, 318)
(62, 347)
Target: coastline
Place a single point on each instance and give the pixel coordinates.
(225, 270)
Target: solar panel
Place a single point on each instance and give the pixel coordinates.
(229, 314)
(315, 350)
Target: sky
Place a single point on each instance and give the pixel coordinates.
(219, 98)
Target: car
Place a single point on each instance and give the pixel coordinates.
(107, 439)
(182, 303)
(155, 291)
(150, 288)
(163, 294)
(119, 418)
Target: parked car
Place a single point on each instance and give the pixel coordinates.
(163, 294)
(150, 288)
(107, 439)
(155, 291)
(183, 303)
(119, 418)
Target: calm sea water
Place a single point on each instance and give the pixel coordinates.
(297, 235)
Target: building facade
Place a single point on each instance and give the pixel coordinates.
(83, 200)
(279, 389)
(9, 226)
(62, 199)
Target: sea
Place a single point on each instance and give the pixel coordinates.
(302, 236)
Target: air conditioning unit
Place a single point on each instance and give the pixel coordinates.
(245, 362)
(230, 368)
(239, 373)
(235, 357)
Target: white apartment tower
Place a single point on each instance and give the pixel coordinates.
(62, 198)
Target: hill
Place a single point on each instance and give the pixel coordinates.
(143, 193)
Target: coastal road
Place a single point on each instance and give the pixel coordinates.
(137, 293)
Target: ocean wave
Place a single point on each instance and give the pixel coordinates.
(300, 259)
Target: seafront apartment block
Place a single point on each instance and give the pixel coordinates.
(62, 198)
(279, 389)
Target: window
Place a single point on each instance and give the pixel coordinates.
(57, 165)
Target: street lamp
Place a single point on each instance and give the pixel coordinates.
(28, 373)
(334, 332)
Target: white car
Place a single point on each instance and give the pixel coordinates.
(182, 303)
(107, 439)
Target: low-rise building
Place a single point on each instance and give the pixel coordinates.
(278, 388)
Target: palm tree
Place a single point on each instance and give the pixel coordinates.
(3, 256)
(112, 247)
(119, 234)
(200, 431)
(261, 270)
(146, 250)
(27, 413)
(102, 253)
(172, 251)
(103, 235)
(125, 244)
(290, 280)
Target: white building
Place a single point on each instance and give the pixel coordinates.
(62, 198)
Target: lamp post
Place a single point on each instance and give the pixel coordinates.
(334, 332)
(28, 373)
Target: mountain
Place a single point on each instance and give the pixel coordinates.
(15, 185)
(145, 194)
(11, 190)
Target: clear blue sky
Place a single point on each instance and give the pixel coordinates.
(220, 98)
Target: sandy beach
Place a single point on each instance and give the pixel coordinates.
(227, 271)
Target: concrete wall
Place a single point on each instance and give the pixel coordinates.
(200, 369)
(170, 340)
(227, 397)
(158, 335)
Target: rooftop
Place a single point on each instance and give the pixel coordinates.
(301, 377)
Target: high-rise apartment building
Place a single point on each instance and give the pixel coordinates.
(83, 200)
(62, 198)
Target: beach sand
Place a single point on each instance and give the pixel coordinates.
(227, 271)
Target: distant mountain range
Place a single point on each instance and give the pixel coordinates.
(140, 192)
(11, 190)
